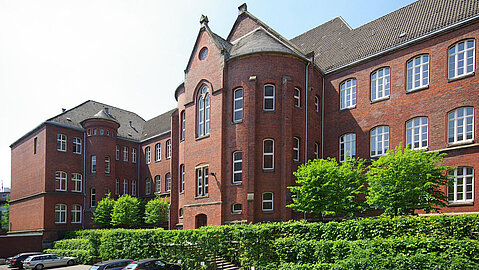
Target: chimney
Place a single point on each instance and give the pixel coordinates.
(242, 8)
(107, 110)
(131, 124)
(64, 110)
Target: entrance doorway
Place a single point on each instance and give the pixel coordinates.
(201, 220)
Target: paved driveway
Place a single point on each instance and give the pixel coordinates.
(73, 267)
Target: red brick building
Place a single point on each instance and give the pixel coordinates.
(254, 106)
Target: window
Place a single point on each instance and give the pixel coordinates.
(238, 105)
(61, 142)
(182, 178)
(237, 167)
(94, 131)
(268, 103)
(418, 72)
(462, 190)
(107, 165)
(158, 183)
(92, 197)
(416, 133)
(101, 131)
(125, 153)
(76, 213)
(183, 125)
(168, 149)
(297, 97)
(267, 201)
(461, 59)
(460, 124)
(60, 213)
(316, 103)
(296, 149)
(348, 94)
(316, 150)
(133, 188)
(158, 152)
(133, 155)
(203, 111)
(168, 182)
(76, 146)
(181, 213)
(93, 164)
(77, 182)
(202, 181)
(117, 152)
(380, 84)
(107, 192)
(379, 141)
(35, 145)
(125, 186)
(60, 181)
(147, 186)
(117, 186)
(237, 208)
(268, 154)
(347, 147)
(148, 155)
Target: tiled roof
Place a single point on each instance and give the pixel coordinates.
(334, 46)
(158, 125)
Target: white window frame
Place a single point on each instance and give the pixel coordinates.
(347, 146)
(461, 177)
(117, 186)
(182, 178)
(60, 181)
(77, 182)
(60, 213)
(267, 154)
(380, 84)
(147, 186)
(133, 188)
(92, 197)
(125, 186)
(297, 97)
(157, 152)
(93, 164)
(379, 141)
(316, 103)
(296, 146)
(183, 125)
(76, 145)
(235, 210)
(117, 152)
(467, 54)
(76, 213)
(148, 155)
(265, 201)
(417, 71)
(158, 184)
(125, 153)
(238, 105)
(268, 97)
(417, 132)
(168, 182)
(133, 155)
(348, 90)
(456, 123)
(202, 175)
(203, 112)
(237, 167)
(168, 149)
(107, 165)
(61, 142)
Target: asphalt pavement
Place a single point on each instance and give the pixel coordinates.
(73, 267)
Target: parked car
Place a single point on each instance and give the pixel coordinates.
(152, 264)
(17, 260)
(39, 262)
(111, 265)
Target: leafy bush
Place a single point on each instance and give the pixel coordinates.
(84, 244)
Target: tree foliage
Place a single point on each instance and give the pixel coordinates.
(4, 215)
(127, 212)
(156, 211)
(329, 188)
(102, 216)
(405, 180)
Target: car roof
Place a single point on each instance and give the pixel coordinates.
(113, 261)
(146, 260)
(28, 253)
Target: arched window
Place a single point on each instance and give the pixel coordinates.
(183, 126)
(158, 152)
(168, 182)
(237, 167)
(61, 142)
(60, 181)
(379, 141)
(380, 84)
(76, 213)
(182, 178)
(461, 59)
(268, 98)
(418, 72)
(203, 112)
(268, 154)
(417, 133)
(348, 94)
(148, 155)
(347, 146)
(133, 188)
(296, 149)
(462, 189)
(158, 183)
(60, 213)
(238, 105)
(107, 165)
(460, 125)
(237, 208)
(92, 197)
(181, 213)
(297, 97)
(147, 186)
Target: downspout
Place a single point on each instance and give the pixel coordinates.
(322, 119)
(306, 116)
(84, 180)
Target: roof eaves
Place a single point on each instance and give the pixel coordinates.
(155, 136)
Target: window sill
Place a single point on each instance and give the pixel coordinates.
(76, 222)
(182, 193)
(201, 197)
(417, 89)
(237, 183)
(348, 108)
(107, 174)
(268, 211)
(64, 151)
(202, 137)
(379, 100)
(470, 141)
(237, 213)
(461, 77)
(60, 223)
(460, 203)
(237, 122)
(268, 170)
(63, 190)
(76, 153)
(157, 160)
(269, 111)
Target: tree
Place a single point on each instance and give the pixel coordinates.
(103, 212)
(4, 215)
(329, 188)
(156, 211)
(127, 212)
(403, 181)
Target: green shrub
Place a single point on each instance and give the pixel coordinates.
(83, 244)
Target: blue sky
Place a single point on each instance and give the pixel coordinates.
(130, 54)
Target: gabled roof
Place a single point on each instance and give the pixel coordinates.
(158, 125)
(335, 46)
